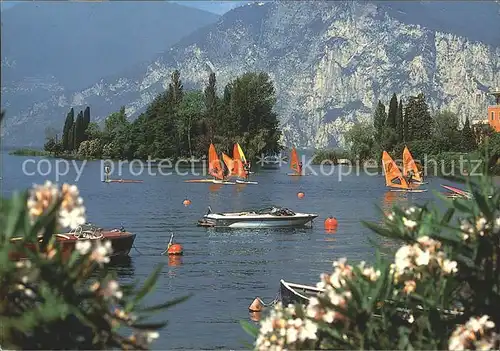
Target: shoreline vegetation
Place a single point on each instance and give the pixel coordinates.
(177, 124)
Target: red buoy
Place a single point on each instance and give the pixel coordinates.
(256, 305)
(300, 195)
(175, 249)
(331, 223)
(187, 202)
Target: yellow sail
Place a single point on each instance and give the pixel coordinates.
(410, 165)
(241, 154)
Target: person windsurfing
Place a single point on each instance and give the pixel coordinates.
(299, 168)
(410, 177)
(246, 168)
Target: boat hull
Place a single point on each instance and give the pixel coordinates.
(296, 293)
(121, 242)
(254, 223)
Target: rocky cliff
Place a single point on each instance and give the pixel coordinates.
(331, 62)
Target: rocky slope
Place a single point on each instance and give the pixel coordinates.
(43, 54)
(331, 62)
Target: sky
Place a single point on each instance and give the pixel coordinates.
(218, 7)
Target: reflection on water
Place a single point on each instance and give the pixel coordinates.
(213, 188)
(174, 260)
(123, 266)
(388, 201)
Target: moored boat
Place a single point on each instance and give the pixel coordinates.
(121, 241)
(271, 217)
(292, 293)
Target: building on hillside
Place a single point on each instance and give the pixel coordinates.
(494, 111)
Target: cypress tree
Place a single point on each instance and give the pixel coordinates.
(176, 88)
(392, 114)
(419, 118)
(79, 132)
(379, 120)
(400, 122)
(468, 142)
(211, 117)
(86, 120)
(68, 124)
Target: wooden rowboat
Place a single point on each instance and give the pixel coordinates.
(121, 242)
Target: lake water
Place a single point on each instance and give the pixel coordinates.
(225, 270)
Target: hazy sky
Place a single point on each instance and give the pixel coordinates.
(218, 7)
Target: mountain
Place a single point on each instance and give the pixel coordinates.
(53, 47)
(331, 62)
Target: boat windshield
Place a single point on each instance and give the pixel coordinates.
(276, 211)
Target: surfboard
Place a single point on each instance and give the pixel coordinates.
(199, 181)
(245, 182)
(409, 190)
(122, 181)
(223, 182)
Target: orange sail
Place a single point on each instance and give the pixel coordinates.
(238, 161)
(214, 166)
(294, 161)
(228, 161)
(410, 165)
(393, 176)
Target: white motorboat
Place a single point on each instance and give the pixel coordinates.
(271, 217)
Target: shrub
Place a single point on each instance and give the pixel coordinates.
(441, 290)
(48, 302)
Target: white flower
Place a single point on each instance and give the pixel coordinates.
(409, 223)
(480, 224)
(422, 257)
(83, 246)
(449, 266)
(112, 290)
(101, 252)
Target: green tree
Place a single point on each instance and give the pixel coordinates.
(115, 123)
(211, 104)
(379, 119)
(468, 138)
(79, 135)
(252, 99)
(67, 130)
(393, 112)
(360, 140)
(86, 121)
(400, 122)
(418, 118)
(446, 131)
(190, 112)
(93, 131)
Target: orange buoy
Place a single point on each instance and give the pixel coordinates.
(331, 223)
(256, 305)
(175, 249)
(300, 195)
(187, 202)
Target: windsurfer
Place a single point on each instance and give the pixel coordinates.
(246, 168)
(410, 177)
(299, 168)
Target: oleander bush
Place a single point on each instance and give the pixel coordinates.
(439, 290)
(51, 302)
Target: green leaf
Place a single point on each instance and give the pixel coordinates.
(250, 328)
(165, 305)
(148, 284)
(15, 216)
(149, 326)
